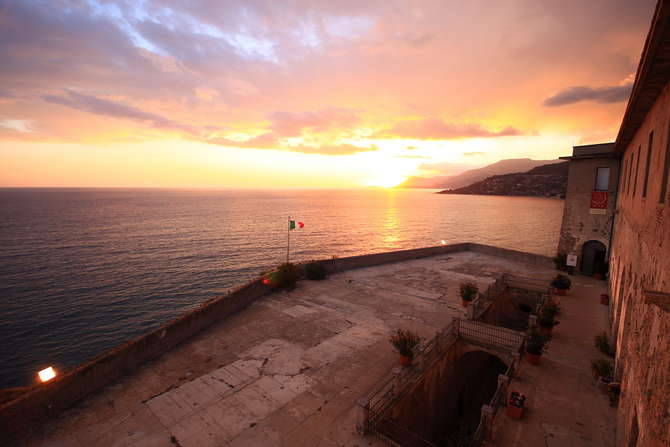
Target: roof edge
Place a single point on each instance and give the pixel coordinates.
(657, 31)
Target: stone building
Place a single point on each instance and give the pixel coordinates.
(590, 202)
(640, 249)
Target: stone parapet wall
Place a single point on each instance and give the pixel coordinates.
(47, 400)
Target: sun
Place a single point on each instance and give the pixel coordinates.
(386, 180)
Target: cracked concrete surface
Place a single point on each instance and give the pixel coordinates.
(287, 371)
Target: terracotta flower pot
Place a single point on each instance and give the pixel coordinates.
(561, 292)
(405, 360)
(604, 299)
(465, 303)
(533, 359)
(597, 276)
(514, 412)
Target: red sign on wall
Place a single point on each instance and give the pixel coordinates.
(599, 199)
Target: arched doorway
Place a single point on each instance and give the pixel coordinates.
(593, 257)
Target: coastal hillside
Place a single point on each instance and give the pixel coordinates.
(512, 165)
(543, 181)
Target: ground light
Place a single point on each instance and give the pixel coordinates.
(47, 374)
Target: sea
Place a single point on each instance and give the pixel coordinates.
(83, 270)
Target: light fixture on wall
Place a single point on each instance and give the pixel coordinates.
(47, 374)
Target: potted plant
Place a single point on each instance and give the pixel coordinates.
(285, 277)
(559, 261)
(535, 348)
(468, 293)
(602, 371)
(547, 321)
(551, 307)
(561, 284)
(404, 342)
(603, 344)
(515, 405)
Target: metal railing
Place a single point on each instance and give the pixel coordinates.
(494, 337)
(484, 299)
(376, 407)
(499, 399)
(382, 399)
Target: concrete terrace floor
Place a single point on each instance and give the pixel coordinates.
(288, 370)
(564, 406)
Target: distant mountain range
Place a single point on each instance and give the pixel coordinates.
(543, 181)
(513, 165)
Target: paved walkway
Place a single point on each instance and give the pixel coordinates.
(564, 407)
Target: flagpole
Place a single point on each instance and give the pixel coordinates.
(288, 237)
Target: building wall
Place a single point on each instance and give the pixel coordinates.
(579, 226)
(639, 262)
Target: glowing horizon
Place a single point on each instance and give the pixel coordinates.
(164, 94)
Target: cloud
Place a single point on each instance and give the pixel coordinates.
(105, 107)
(436, 129)
(473, 154)
(303, 68)
(333, 149)
(417, 40)
(271, 140)
(605, 95)
(292, 124)
(21, 126)
(267, 140)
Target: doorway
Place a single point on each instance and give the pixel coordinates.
(593, 258)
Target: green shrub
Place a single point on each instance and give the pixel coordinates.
(551, 308)
(559, 261)
(602, 368)
(285, 277)
(561, 282)
(468, 291)
(315, 271)
(546, 319)
(535, 343)
(404, 341)
(603, 344)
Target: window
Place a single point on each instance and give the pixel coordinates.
(646, 169)
(602, 179)
(666, 169)
(630, 171)
(637, 169)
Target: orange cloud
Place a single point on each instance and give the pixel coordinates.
(436, 129)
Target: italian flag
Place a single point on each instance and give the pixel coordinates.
(292, 224)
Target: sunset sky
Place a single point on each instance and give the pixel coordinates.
(257, 94)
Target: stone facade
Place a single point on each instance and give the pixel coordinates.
(581, 223)
(639, 262)
(639, 284)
